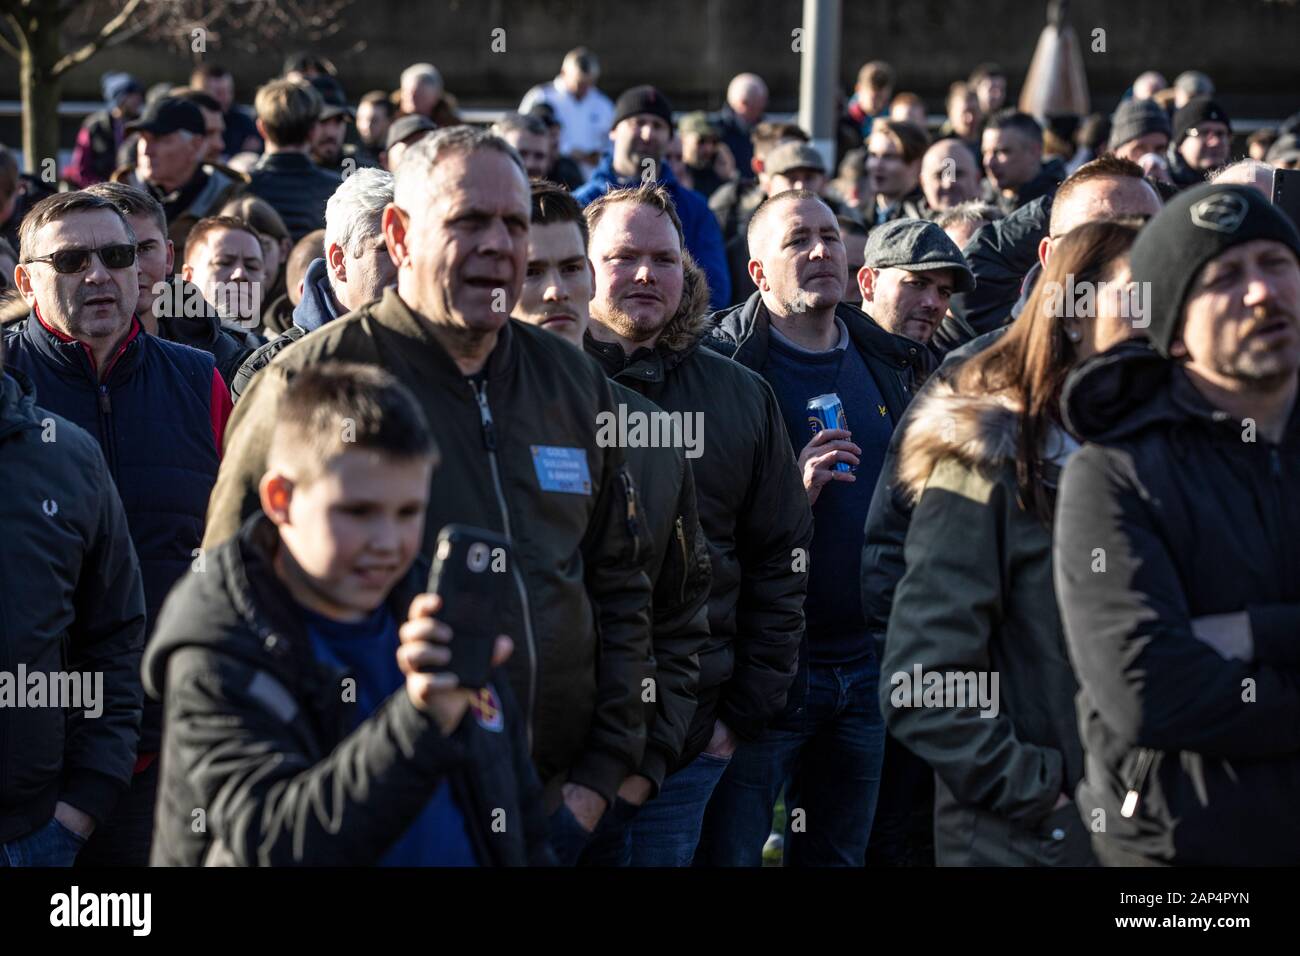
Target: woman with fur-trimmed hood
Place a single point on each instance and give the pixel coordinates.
(976, 679)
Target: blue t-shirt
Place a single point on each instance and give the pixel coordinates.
(837, 631)
(368, 648)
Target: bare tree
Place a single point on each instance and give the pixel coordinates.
(50, 37)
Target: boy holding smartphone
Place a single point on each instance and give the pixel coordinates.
(301, 724)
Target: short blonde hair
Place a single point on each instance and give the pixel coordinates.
(288, 109)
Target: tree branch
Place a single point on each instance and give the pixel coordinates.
(112, 33)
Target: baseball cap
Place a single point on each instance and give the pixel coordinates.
(406, 126)
(793, 155)
(332, 96)
(697, 123)
(916, 245)
(167, 115)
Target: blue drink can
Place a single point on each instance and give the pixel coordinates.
(827, 411)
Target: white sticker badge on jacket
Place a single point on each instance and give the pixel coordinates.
(562, 469)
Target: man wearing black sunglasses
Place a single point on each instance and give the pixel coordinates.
(157, 408)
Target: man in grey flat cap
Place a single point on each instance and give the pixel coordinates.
(910, 270)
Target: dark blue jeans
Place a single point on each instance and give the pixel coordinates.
(51, 845)
(666, 830)
(826, 750)
(607, 845)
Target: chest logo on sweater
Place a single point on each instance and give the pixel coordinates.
(487, 710)
(562, 469)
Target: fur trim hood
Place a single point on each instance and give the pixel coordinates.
(692, 319)
(980, 431)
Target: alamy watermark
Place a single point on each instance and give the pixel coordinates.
(948, 689)
(638, 429)
(1083, 300)
(65, 690)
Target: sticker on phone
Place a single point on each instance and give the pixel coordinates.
(562, 469)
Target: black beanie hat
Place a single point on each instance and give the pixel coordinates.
(1136, 118)
(1196, 226)
(1197, 110)
(642, 99)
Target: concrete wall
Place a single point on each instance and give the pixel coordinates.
(691, 47)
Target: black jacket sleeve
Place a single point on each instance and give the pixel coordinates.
(681, 629)
(1001, 254)
(613, 552)
(266, 801)
(773, 536)
(1129, 629)
(107, 638)
(882, 544)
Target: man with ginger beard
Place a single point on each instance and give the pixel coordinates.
(556, 296)
(649, 315)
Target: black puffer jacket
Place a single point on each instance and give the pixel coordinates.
(296, 188)
(1167, 515)
(753, 510)
(73, 601)
(258, 740)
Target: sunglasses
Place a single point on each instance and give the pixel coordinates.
(69, 261)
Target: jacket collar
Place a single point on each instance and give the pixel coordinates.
(73, 358)
(281, 162)
(426, 352)
(748, 327)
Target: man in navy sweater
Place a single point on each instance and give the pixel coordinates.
(827, 748)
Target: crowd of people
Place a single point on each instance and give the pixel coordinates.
(1033, 599)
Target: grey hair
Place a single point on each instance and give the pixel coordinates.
(972, 213)
(420, 72)
(353, 214)
(421, 159)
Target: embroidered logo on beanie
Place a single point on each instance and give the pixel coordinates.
(1222, 212)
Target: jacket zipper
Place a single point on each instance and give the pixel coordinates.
(490, 442)
(686, 564)
(633, 522)
(1145, 756)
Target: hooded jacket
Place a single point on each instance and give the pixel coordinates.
(1171, 512)
(752, 508)
(703, 240)
(259, 738)
(73, 602)
(316, 307)
(579, 609)
(976, 600)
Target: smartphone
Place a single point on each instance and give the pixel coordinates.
(471, 573)
(1286, 192)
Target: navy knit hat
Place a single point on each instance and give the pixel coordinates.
(642, 99)
(1195, 227)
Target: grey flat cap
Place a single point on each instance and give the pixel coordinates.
(916, 245)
